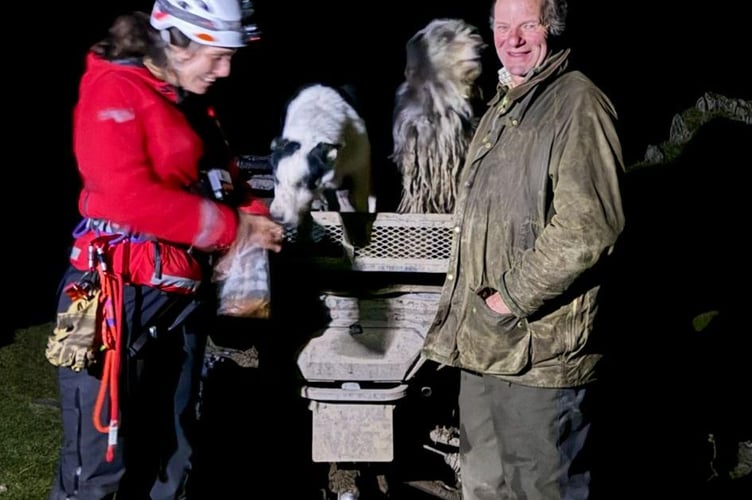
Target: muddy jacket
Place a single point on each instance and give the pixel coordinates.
(538, 210)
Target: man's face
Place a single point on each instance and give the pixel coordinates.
(199, 70)
(519, 36)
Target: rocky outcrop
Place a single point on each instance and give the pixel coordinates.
(684, 125)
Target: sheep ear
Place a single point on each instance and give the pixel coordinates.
(328, 151)
(283, 146)
(321, 160)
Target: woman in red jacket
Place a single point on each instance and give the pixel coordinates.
(144, 247)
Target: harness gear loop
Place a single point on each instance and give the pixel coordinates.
(111, 300)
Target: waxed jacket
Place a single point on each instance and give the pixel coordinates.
(538, 211)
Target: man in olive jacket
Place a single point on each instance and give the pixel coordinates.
(538, 211)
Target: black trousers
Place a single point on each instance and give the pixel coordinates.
(162, 356)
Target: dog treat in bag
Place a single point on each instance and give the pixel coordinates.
(242, 277)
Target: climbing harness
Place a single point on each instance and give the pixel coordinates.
(118, 258)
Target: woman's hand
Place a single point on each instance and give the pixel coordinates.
(260, 230)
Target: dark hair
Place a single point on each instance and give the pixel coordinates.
(131, 36)
(553, 15)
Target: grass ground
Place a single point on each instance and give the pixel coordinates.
(30, 418)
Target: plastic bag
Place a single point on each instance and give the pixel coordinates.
(243, 286)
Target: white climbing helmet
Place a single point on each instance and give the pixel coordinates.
(219, 23)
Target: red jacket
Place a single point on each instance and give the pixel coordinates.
(138, 158)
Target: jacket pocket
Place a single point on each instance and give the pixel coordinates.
(499, 343)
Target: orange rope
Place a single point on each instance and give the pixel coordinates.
(111, 326)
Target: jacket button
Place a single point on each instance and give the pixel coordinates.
(515, 122)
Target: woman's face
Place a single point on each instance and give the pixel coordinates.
(198, 66)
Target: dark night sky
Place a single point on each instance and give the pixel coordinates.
(652, 63)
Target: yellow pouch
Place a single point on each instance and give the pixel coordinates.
(74, 341)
